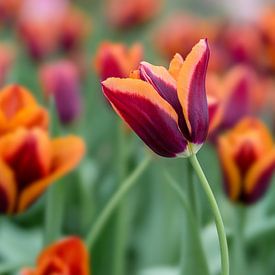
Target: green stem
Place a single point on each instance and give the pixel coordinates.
(191, 189)
(127, 184)
(54, 212)
(238, 246)
(195, 254)
(121, 213)
(216, 213)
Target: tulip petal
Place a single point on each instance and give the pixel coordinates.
(232, 177)
(71, 252)
(166, 86)
(258, 178)
(19, 108)
(147, 113)
(66, 154)
(191, 91)
(7, 189)
(28, 154)
(175, 65)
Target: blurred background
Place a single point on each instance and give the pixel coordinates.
(57, 47)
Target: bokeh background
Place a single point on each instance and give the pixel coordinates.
(149, 234)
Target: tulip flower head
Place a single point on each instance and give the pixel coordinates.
(166, 108)
(247, 155)
(62, 81)
(65, 257)
(234, 92)
(29, 162)
(115, 60)
(18, 108)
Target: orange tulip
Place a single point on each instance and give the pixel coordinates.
(125, 14)
(18, 108)
(115, 60)
(29, 162)
(66, 257)
(247, 155)
(181, 31)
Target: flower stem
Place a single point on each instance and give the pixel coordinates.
(216, 213)
(194, 256)
(126, 185)
(238, 247)
(191, 189)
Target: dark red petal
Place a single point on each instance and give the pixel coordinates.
(150, 120)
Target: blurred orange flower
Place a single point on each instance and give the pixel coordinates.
(66, 257)
(115, 60)
(18, 108)
(181, 31)
(61, 80)
(125, 14)
(29, 162)
(247, 155)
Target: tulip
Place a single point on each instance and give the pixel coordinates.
(18, 108)
(75, 26)
(65, 257)
(247, 156)
(234, 92)
(39, 26)
(29, 162)
(242, 44)
(61, 80)
(115, 60)
(126, 14)
(167, 109)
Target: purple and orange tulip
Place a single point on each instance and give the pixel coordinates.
(29, 162)
(115, 60)
(234, 92)
(65, 257)
(166, 108)
(18, 108)
(247, 155)
(62, 81)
